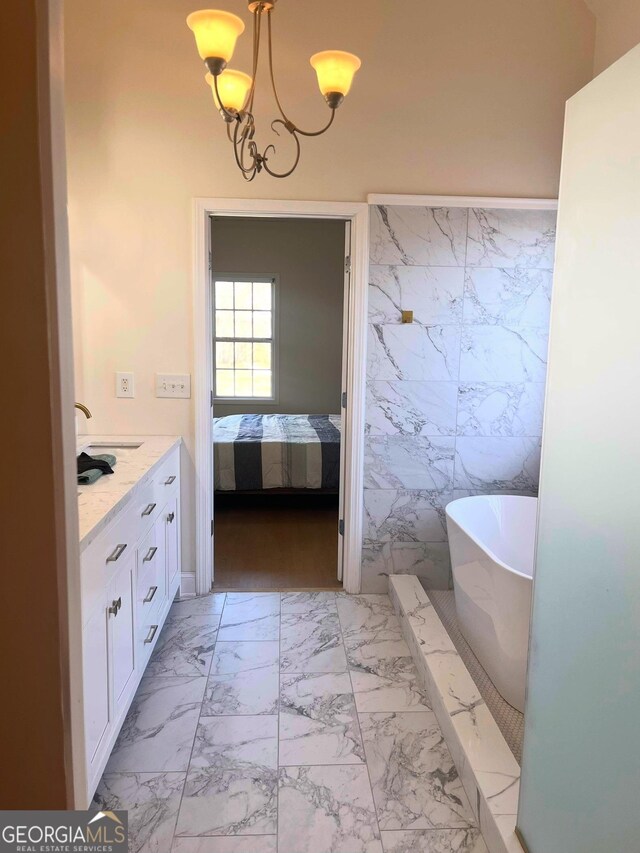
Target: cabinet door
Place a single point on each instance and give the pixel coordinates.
(121, 627)
(95, 665)
(173, 540)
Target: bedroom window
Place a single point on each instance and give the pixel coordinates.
(244, 345)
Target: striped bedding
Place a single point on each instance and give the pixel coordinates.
(256, 452)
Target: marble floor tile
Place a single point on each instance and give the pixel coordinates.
(367, 615)
(312, 642)
(433, 841)
(185, 646)
(226, 844)
(203, 605)
(303, 602)
(414, 780)
(383, 675)
(231, 783)
(326, 810)
(318, 720)
(243, 679)
(152, 800)
(250, 616)
(158, 732)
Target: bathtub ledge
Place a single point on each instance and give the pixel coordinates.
(486, 766)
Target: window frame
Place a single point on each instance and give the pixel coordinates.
(274, 279)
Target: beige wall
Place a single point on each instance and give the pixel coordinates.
(617, 31)
(454, 98)
(308, 258)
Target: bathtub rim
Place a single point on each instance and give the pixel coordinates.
(482, 546)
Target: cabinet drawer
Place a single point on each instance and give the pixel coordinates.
(152, 583)
(103, 557)
(166, 479)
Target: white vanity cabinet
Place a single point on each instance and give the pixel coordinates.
(130, 573)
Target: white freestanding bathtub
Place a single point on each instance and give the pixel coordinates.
(492, 539)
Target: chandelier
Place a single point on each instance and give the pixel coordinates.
(216, 33)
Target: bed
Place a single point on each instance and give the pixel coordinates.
(254, 453)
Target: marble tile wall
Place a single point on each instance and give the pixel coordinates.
(455, 399)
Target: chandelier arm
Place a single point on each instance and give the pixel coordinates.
(257, 17)
(232, 116)
(272, 147)
(238, 150)
(290, 125)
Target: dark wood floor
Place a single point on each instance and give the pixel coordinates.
(269, 542)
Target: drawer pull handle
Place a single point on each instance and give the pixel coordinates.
(151, 634)
(116, 554)
(170, 517)
(170, 480)
(150, 594)
(149, 509)
(116, 604)
(150, 554)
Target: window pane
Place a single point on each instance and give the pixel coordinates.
(262, 383)
(224, 383)
(262, 356)
(224, 355)
(243, 383)
(262, 324)
(262, 295)
(243, 324)
(224, 324)
(243, 295)
(224, 294)
(243, 356)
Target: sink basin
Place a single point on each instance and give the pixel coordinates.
(121, 450)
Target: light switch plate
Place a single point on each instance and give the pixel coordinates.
(124, 385)
(177, 385)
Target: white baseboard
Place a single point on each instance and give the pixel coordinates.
(187, 585)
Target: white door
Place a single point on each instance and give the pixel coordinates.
(581, 762)
(344, 402)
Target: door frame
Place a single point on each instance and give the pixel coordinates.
(353, 417)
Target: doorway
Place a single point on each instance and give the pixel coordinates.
(313, 542)
(278, 294)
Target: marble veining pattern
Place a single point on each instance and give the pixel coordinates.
(418, 236)
(470, 370)
(417, 407)
(415, 352)
(434, 294)
(302, 770)
(488, 769)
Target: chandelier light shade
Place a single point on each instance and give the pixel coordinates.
(233, 87)
(234, 92)
(216, 33)
(335, 70)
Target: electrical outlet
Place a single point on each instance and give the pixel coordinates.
(176, 385)
(124, 385)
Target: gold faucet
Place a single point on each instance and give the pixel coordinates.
(83, 409)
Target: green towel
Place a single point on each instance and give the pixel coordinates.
(94, 474)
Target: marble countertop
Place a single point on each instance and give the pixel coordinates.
(99, 503)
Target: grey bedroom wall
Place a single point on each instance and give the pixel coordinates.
(308, 256)
(454, 400)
